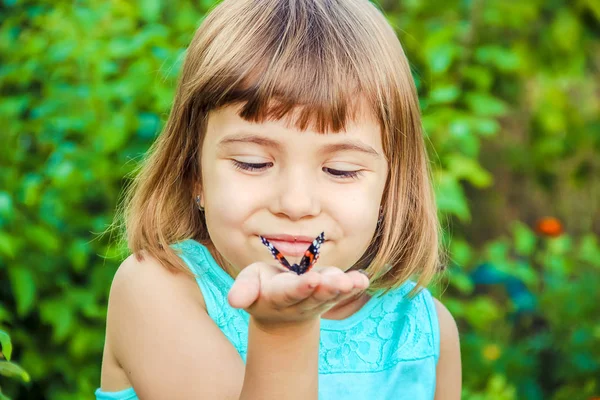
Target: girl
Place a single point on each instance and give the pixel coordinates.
(291, 118)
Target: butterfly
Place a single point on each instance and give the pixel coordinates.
(308, 260)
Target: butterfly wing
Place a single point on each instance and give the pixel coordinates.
(311, 255)
(278, 256)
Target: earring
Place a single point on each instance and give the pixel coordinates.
(198, 203)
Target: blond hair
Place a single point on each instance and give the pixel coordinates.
(278, 56)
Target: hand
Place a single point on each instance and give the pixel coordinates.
(275, 297)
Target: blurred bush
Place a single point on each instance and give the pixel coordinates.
(510, 97)
(529, 318)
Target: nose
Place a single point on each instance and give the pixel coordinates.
(296, 196)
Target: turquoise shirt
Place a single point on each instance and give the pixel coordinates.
(386, 350)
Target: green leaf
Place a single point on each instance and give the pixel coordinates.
(525, 239)
(594, 7)
(460, 127)
(485, 105)
(59, 314)
(11, 369)
(31, 187)
(560, 245)
(78, 254)
(24, 289)
(450, 197)
(497, 251)
(566, 30)
(487, 127)
(440, 58)
(461, 281)
(461, 252)
(589, 250)
(482, 312)
(6, 344)
(444, 94)
(468, 169)
(149, 9)
(502, 58)
(482, 77)
(461, 130)
(7, 245)
(6, 204)
(44, 238)
(5, 315)
(526, 273)
(113, 136)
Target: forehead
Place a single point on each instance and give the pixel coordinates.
(225, 122)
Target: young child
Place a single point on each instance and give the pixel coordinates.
(291, 118)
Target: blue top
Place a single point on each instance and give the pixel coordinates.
(386, 350)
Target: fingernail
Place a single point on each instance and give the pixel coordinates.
(362, 271)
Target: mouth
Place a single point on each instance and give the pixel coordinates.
(290, 245)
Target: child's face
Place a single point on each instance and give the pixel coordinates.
(270, 179)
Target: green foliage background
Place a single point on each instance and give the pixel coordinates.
(510, 92)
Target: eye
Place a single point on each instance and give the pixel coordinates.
(251, 166)
(339, 174)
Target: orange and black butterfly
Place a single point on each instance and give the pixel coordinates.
(308, 260)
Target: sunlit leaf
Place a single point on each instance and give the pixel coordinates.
(10, 369)
(6, 344)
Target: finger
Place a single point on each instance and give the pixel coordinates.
(349, 285)
(359, 279)
(333, 282)
(288, 289)
(360, 285)
(246, 288)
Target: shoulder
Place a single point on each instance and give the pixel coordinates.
(154, 321)
(147, 277)
(142, 287)
(448, 369)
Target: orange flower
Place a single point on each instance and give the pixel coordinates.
(549, 226)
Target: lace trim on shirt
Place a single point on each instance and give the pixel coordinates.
(397, 329)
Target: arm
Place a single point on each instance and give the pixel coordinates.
(448, 371)
(282, 364)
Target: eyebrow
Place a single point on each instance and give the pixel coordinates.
(348, 145)
(249, 138)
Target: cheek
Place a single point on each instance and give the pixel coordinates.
(229, 201)
(356, 216)
(355, 207)
(229, 198)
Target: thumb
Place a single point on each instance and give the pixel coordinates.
(246, 288)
